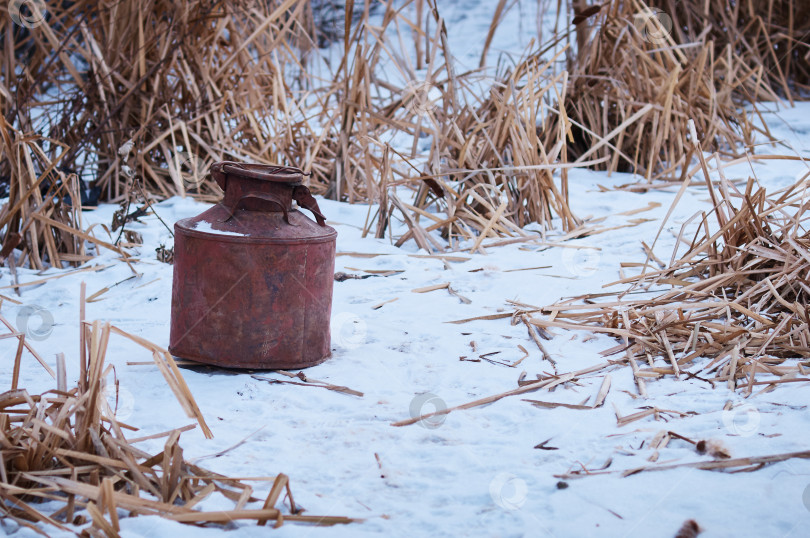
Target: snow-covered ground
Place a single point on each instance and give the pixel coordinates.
(476, 472)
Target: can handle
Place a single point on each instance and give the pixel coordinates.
(303, 196)
(266, 196)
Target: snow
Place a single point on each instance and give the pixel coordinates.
(474, 472)
(205, 226)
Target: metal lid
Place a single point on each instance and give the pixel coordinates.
(263, 172)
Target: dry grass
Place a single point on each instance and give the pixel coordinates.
(66, 445)
(156, 91)
(499, 166)
(772, 38)
(142, 91)
(188, 83)
(635, 83)
(738, 303)
(489, 169)
(41, 219)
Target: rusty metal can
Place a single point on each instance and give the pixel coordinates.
(252, 276)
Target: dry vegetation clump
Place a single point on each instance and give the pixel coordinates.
(141, 91)
(188, 83)
(495, 164)
(41, 216)
(65, 459)
(638, 77)
(772, 37)
(480, 162)
(739, 296)
(146, 94)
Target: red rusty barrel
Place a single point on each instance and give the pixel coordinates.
(253, 276)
